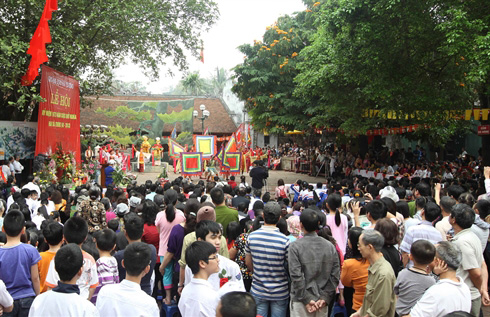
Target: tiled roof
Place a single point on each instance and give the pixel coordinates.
(219, 122)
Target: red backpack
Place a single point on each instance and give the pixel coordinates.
(282, 192)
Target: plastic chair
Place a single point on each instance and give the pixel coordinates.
(169, 311)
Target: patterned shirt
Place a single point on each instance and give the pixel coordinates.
(94, 213)
(239, 245)
(424, 230)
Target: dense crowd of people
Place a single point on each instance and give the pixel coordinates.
(408, 246)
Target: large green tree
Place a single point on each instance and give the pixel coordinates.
(265, 79)
(92, 37)
(396, 56)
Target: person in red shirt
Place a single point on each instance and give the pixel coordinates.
(232, 182)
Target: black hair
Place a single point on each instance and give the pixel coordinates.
(204, 227)
(13, 223)
(402, 207)
(454, 191)
(390, 205)
(232, 231)
(68, 261)
(309, 220)
(376, 209)
(133, 225)
(75, 230)
(353, 236)
(170, 200)
(53, 232)
(258, 204)
(423, 188)
(94, 193)
(106, 239)
(217, 195)
(334, 202)
(423, 252)
(196, 252)
(432, 211)
(238, 304)
(483, 207)
(282, 225)
(113, 224)
(137, 257)
(149, 212)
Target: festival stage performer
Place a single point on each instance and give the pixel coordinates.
(157, 150)
(145, 146)
(89, 153)
(141, 161)
(211, 170)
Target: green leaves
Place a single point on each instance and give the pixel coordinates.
(92, 37)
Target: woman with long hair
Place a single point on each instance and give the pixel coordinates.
(338, 222)
(164, 222)
(354, 273)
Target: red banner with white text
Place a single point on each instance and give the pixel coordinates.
(59, 116)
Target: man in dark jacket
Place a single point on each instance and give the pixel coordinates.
(258, 174)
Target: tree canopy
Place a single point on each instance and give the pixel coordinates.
(412, 59)
(92, 37)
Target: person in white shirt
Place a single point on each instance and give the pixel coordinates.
(18, 168)
(65, 299)
(6, 169)
(229, 271)
(32, 184)
(450, 294)
(127, 298)
(199, 299)
(6, 301)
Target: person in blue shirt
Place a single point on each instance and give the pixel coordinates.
(108, 173)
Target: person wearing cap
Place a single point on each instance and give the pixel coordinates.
(205, 213)
(108, 173)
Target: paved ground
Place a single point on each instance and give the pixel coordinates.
(274, 176)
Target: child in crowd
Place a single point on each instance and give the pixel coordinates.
(127, 298)
(106, 263)
(199, 298)
(229, 271)
(76, 231)
(413, 282)
(19, 265)
(64, 300)
(53, 235)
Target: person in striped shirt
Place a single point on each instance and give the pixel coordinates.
(106, 263)
(266, 255)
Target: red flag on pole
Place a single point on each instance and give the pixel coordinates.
(37, 46)
(202, 53)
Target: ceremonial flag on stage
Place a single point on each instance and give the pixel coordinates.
(239, 135)
(233, 162)
(174, 148)
(206, 131)
(191, 163)
(205, 144)
(173, 135)
(231, 145)
(37, 46)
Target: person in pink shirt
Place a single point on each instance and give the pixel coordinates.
(339, 226)
(164, 222)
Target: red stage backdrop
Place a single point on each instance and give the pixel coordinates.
(59, 116)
